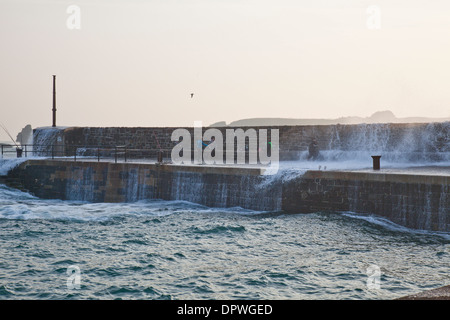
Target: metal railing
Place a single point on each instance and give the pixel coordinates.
(19, 151)
(107, 153)
(112, 153)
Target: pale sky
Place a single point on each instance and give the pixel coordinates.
(135, 63)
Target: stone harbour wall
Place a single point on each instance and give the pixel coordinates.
(413, 201)
(397, 142)
(129, 182)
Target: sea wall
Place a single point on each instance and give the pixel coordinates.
(129, 182)
(415, 142)
(416, 201)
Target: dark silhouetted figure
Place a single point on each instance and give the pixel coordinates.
(313, 150)
(192, 95)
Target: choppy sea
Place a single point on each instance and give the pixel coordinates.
(53, 249)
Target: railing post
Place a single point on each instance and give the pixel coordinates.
(75, 154)
(2, 151)
(25, 151)
(160, 156)
(53, 152)
(115, 154)
(98, 154)
(125, 155)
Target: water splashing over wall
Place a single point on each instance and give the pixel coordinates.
(46, 137)
(406, 144)
(8, 164)
(81, 184)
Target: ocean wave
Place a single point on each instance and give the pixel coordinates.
(16, 204)
(389, 225)
(8, 164)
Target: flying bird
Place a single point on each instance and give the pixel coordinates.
(192, 95)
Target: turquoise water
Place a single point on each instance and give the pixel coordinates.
(180, 250)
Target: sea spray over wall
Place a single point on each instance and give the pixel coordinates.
(45, 138)
(224, 191)
(8, 164)
(81, 185)
(408, 144)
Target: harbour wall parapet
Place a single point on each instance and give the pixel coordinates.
(397, 142)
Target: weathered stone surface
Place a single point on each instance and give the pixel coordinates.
(414, 201)
(124, 182)
(403, 142)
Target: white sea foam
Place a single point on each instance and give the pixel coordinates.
(8, 164)
(15, 204)
(388, 224)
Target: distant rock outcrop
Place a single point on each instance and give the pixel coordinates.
(25, 136)
(378, 117)
(383, 116)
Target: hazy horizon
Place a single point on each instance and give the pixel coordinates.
(135, 63)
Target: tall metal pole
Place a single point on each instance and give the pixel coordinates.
(54, 101)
